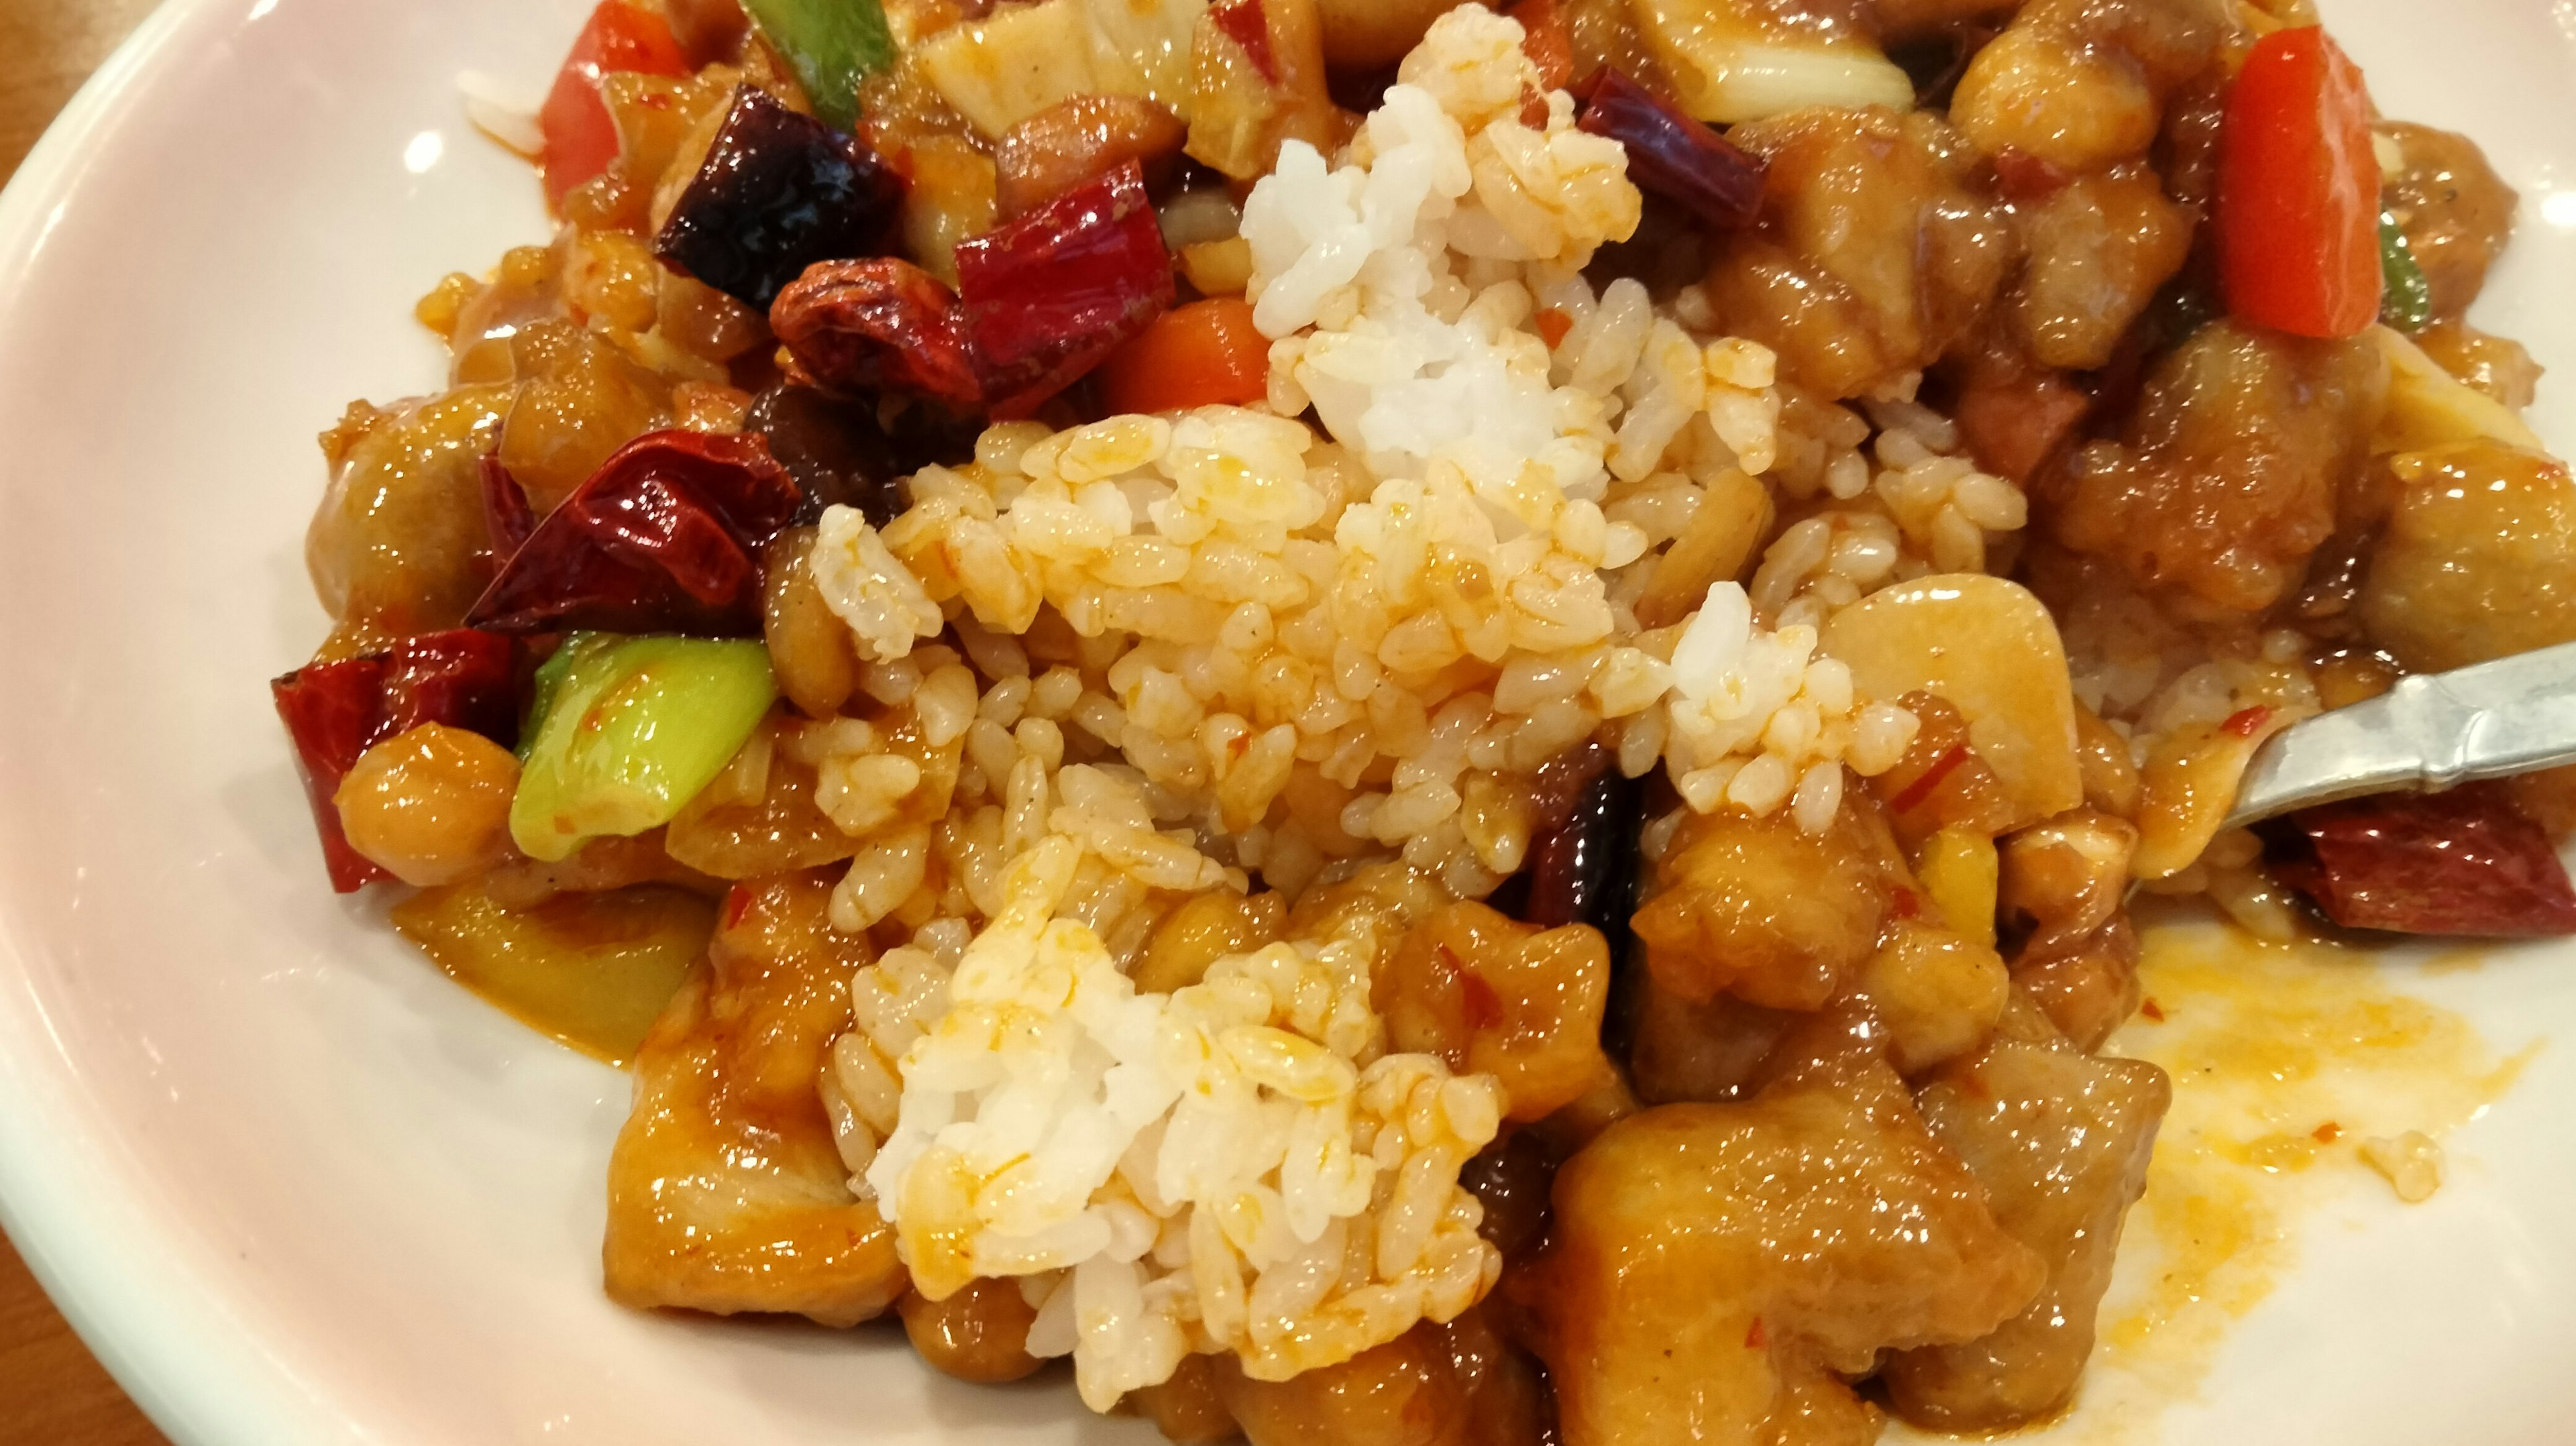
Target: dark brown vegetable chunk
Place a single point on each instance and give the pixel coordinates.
(1706, 1253)
(1872, 254)
(779, 192)
(2060, 1141)
(2228, 475)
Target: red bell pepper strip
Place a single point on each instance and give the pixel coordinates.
(2463, 863)
(662, 539)
(2298, 190)
(580, 135)
(336, 711)
(1204, 354)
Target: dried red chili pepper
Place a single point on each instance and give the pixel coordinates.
(506, 514)
(1048, 295)
(1673, 155)
(2463, 862)
(336, 711)
(878, 325)
(661, 539)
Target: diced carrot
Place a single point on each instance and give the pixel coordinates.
(1205, 354)
(1546, 41)
(1552, 326)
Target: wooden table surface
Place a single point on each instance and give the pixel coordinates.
(51, 1392)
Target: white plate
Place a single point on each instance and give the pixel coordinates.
(296, 1188)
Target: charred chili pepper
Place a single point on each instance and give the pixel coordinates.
(336, 711)
(660, 539)
(879, 325)
(2459, 863)
(1048, 295)
(1674, 156)
(779, 192)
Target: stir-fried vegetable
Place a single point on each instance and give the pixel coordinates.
(1200, 355)
(592, 970)
(832, 45)
(879, 325)
(662, 537)
(2298, 190)
(335, 711)
(624, 731)
(2406, 300)
(580, 136)
(1049, 295)
(1673, 155)
(778, 193)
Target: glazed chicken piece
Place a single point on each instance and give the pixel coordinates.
(2060, 1141)
(1703, 1053)
(2098, 247)
(1756, 908)
(394, 547)
(2077, 86)
(1491, 995)
(2478, 559)
(2228, 475)
(1872, 254)
(725, 1191)
(1459, 1384)
(2457, 213)
(1706, 1256)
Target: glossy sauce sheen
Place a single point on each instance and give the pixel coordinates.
(2267, 1046)
(590, 970)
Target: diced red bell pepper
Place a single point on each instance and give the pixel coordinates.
(2461, 863)
(1050, 294)
(336, 711)
(580, 135)
(1201, 355)
(2298, 190)
(661, 539)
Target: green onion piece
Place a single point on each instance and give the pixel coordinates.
(832, 45)
(2406, 298)
(626, 730)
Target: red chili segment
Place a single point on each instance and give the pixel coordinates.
(2458, 863)
(1052, 293)
(659, 540)
(336, 711)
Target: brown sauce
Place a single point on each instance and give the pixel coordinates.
(588, 970)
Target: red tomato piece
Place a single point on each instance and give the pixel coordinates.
(581, 137)
(1200, 355)
(2298, 190)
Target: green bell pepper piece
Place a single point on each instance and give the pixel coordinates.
(832, 45)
